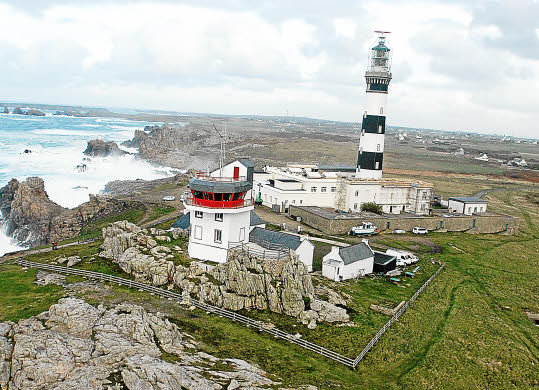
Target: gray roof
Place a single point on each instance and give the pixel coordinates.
(288, 240)
(183, 222)
(255, 219)
(467, 199)
(337, 168)
(246, 162)
(382, 258)
(351, 254)
(224, 187)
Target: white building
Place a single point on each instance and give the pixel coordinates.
(466, 205)
(336, 187)
(348, 262)
(219, 207)
(299, 245)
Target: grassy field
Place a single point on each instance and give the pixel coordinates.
(467, 330)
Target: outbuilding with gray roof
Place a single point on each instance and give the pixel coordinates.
(348, 262)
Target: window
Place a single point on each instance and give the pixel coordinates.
(333, 189)
(301, 201)
(469, 210)
(219, 217)
(381, 110)
(313, 189)
(378, 147)
(377, 166)
(422, 206)
(198, 214)
(293, 201)
(242, 234)
(217, 236)
(355, 206)
(424, 194)
(357, 193)
(323, 189)
(198, 232)
(475, 209)
(379, 128)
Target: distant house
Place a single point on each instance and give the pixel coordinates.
(348, 262)
(300, 245)
(383, 262)
(467, 205)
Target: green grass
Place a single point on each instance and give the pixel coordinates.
(158, 212)
(93, 229)
(467, 330)
(20, 297)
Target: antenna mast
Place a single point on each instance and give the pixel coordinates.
(222, 156)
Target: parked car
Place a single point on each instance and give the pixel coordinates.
(419, 230)
(169, 198)
(399, 231)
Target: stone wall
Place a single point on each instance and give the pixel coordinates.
(485, 223)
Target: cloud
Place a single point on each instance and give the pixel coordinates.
(449, 60)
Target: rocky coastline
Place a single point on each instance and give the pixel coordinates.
(32, 219)
(189, 146)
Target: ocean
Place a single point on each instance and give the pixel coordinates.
(56, 144)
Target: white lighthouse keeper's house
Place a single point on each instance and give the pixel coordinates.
(348, 262)
(220, 206)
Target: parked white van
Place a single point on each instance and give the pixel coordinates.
(403, 257)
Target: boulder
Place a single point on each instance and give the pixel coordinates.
(73, 260)
(100, 148)
(6, 110)
(18, 111)
(329, 312)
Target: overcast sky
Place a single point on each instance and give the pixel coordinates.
(457, 65)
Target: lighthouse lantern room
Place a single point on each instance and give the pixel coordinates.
(219, 205)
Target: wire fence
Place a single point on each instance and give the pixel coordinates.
(258, 325)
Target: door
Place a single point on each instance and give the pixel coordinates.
(236, 172)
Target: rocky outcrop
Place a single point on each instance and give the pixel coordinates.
(243, 282)
(129, 187)
(18, 111)
(27, 211)
(34, 112)
(100, 148)
(78, 346)
(190, 146)
(6, 110)
(30, 217)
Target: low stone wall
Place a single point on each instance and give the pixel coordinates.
(331, 223)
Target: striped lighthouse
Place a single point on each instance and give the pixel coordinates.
(371, 142)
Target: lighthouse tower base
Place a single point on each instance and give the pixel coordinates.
(207, 252)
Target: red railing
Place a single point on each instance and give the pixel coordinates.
(218, 204)
(206, 177)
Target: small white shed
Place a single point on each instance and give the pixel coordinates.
(301, 245)
(348, 262)
(467, 205)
